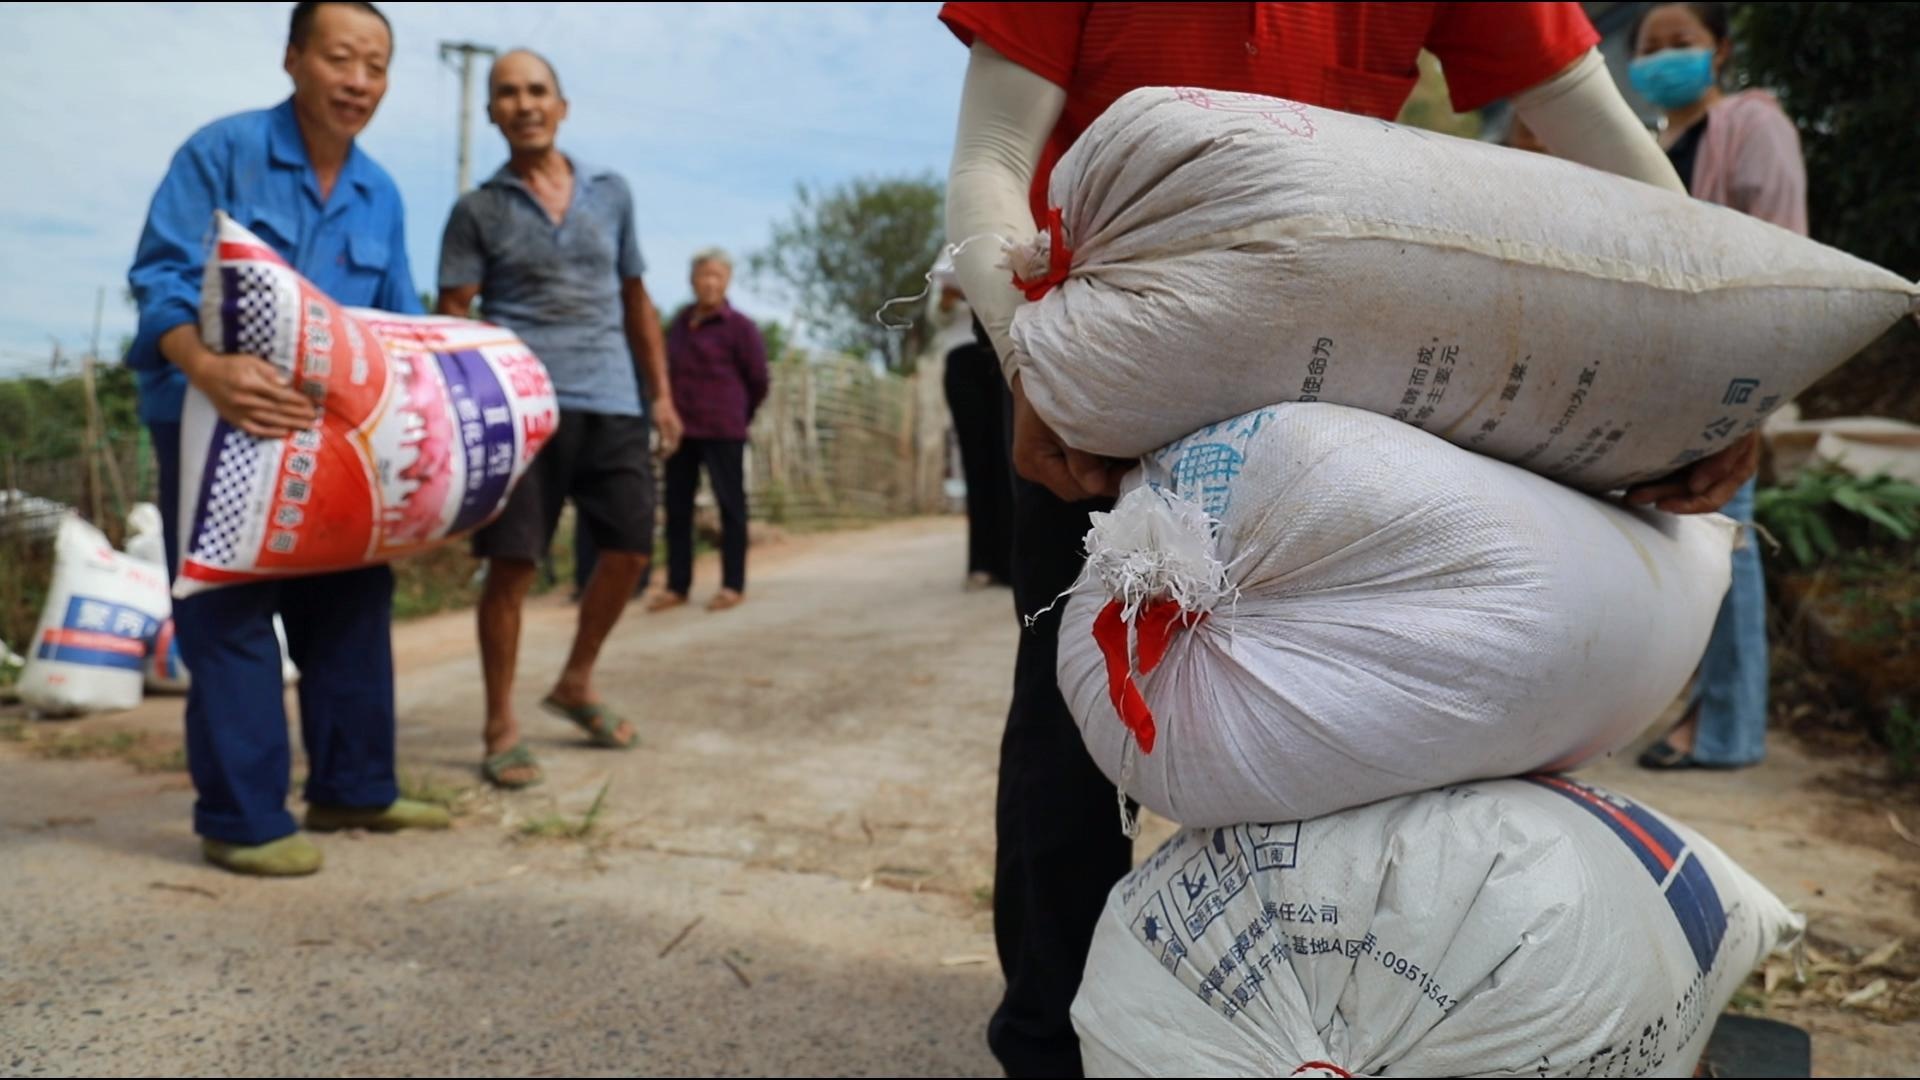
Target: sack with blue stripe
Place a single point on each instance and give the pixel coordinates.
(102, 615)
(1536, 926)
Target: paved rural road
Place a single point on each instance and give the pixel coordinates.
(790, 876)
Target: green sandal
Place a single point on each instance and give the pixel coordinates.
(516, 756)
(400, 814)
(602, 727)
(289, 856)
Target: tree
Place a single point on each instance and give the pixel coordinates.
(774, 336)
(1430, 107)
(1843, 72)
(845, 251)
(46, 419)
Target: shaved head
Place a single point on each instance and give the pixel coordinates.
(519, 57)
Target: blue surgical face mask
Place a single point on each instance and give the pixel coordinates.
(1673, 78)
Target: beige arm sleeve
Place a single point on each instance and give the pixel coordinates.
(1006, 114)
(1581, 116)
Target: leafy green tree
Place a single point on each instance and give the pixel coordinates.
(845, 251)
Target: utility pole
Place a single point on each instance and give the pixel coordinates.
(465, 51)
(99, 445)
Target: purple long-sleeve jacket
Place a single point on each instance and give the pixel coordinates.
(718, 367)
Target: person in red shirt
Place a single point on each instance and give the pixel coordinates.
(1037, 76)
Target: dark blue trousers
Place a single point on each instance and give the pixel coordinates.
(339, 633)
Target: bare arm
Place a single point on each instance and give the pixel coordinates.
(649, 349)
(457, 301)
(246, 391)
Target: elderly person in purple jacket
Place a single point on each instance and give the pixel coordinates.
(718, 369)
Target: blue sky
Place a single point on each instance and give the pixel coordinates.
(712, 112)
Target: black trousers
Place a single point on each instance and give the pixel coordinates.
(1058, 845)
(975, 395)
(724, 460)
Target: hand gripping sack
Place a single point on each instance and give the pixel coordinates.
(1218, 252)
(1529, 927)
(428, 423)
(102, 615)
(1311, 607)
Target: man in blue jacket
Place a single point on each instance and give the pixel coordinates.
(294, 176)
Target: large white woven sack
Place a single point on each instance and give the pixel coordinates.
(1228, 251)
(1513, 928)
(103, 612)
(1352, 609)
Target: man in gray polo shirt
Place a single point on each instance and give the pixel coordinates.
(549, 245)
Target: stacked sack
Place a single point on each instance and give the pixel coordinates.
(1354, 611)
(1311, 607)
(1218, 252)
(1536, 927)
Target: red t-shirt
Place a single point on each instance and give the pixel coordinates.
(1356, 57)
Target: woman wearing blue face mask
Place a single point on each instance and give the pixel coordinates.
(1740, 151)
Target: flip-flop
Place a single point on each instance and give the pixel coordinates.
(726, 599)
(516, 756)
(1664, 755)
(602, 726)
(666, 601)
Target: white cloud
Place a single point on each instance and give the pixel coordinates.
(711, 111)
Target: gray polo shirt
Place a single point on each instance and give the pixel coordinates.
(558, 287)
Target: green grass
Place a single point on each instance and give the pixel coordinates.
(1903, 737)
(429, 788)
(434, 581)
(26, 566)
(144, 751)
(565, 827)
